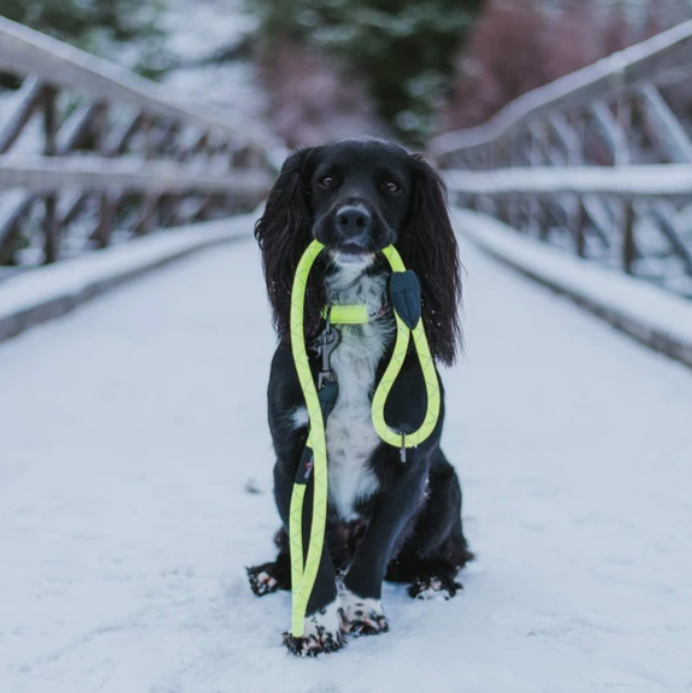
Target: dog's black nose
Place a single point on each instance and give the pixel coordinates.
(352, 221)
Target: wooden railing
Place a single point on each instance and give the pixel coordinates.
(92, 154)
(599, 162)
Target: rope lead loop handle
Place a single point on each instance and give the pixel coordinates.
(304, 570)
(432, 385)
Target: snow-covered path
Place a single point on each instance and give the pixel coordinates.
(135, 470)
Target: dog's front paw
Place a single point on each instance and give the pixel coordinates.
(323, 633)
(363, 616)
(434, 587)
(268, 578)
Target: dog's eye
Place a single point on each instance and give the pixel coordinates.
(392, 187)
(327, 181)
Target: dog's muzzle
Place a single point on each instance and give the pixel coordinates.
(353, 226)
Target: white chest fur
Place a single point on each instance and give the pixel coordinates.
(351, 436)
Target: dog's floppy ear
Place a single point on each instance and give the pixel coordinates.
(429, 247)
(284, 232)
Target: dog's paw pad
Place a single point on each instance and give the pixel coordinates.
(434, 587)
(363, 616)
(262, 581)
(367, 624)
(312, 646)
(322, 633)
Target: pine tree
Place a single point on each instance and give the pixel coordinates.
(403, 50)
(97, 25)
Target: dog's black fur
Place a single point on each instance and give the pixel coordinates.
(357, 197)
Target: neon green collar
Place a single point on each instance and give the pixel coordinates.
(354, 314)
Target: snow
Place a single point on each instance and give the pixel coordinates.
(656, 180)
(73, 280)
(82, 173)
(133, 429)
(197, 29)
(641, 302)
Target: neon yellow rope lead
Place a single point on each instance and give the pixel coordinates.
(304, 571)
(394, 368)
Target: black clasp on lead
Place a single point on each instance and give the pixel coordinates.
(325, 345)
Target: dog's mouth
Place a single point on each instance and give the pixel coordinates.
(351, 254)
(359, 250)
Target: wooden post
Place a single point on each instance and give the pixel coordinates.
(147, 129)
(109, 198)
(579, 228)
(628, 242)
(50, 202)
(99, 126)
(146, 215)
(167, 210)
(542, 220)
(109, 208)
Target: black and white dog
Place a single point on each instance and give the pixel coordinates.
(388, 519)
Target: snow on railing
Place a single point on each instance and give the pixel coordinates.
(624, 182)
(98, 152)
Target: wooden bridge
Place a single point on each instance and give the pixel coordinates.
(598, 162)
(135, 463)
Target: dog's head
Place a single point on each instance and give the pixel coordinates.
(358, 196)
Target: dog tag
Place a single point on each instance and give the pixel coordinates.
(403, 448)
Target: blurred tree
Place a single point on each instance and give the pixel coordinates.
(98, 26)
(518, 45)
(403, 51)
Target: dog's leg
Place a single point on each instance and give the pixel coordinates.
(392, 512)
(274, 576)
(289, 428)
(323, 623)
(436, 549)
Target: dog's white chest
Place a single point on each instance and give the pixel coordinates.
(351, 436)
